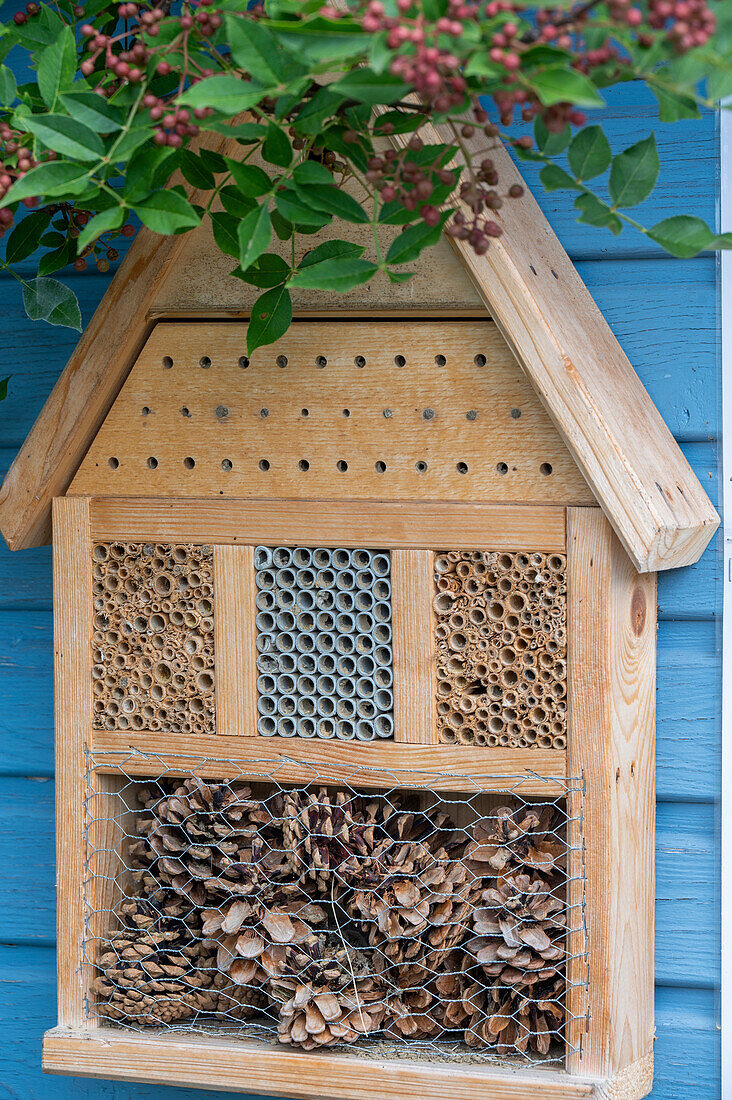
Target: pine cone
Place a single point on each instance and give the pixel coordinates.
(313, 1016)
(210, 841)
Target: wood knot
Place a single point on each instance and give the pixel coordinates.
(638, 611)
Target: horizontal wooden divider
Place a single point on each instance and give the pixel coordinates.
(372, 765)
(198, 1061)
(390, 524)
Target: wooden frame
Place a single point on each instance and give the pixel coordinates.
(611, 628)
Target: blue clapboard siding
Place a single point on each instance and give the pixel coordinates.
(664, 312)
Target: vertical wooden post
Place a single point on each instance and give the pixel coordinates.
(612, 662)
(235, 641)
(413, 640)
(72, 601)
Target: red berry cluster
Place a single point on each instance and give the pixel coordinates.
(687, 23)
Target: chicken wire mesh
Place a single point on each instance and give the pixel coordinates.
(334, 913)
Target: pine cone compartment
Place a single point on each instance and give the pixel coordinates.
(339, 917)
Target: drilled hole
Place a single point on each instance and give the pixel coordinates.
(346, 412)
(321, 361)
(462, 467)
(480, 360)
(420, 466)
(152, 462)
(145, 410)
(360, 361)
(440, 360)
(263, 464)
(304, 412)
(281, 360)
(264, 413)
(546, 468)
(471, 414)
(303, 465)
(515, 414)
(167, 362)
(221, 412)
(227, 464)
(380, 467)
(342, 465)
(400, 360)
(502, 467)
(189, 463)
(243, 361)
(204, 362)
(185, 411)
(428, 414)
(114, 463)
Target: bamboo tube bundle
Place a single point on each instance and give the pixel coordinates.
(153, 643)
(500, 638)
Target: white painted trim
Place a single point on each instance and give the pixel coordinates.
(725, 216)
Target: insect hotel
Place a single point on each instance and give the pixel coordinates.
(355, 672)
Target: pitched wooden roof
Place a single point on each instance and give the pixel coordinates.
(533, 293)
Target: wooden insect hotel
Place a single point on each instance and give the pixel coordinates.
(355, 673)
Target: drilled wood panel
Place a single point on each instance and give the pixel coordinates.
(363, 411)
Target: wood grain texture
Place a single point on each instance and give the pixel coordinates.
(612, 646)
(412, 584)
(83, 395)
(585, 381)
(436, 410)
(390, 764)
(198, 1061)
(372, 524)
(72, 587)
(235, 642)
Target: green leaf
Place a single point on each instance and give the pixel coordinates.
(379, 53)
(330, 200)
(195, 172)
(276, 148)
(129, 143)
(297, 211)
(682, 235)
(249, 178)
(270, 319)
(269, 270)
(225, 93)
(335, 274)
(281, 226)
(247, 133)
(212, 160)
(58, 258)
(235, 203)
(410, 243)
(589, 154)
(40, 31)
(225, 231)
(554, 178)
(322, 106)
(254, 234)
(4, 387)
(65, 135)
(559, 85)
(480, 64)
(634, 173)
(322, 39)
(330, 250)
(258, 51)
(368, 87)
(674, 105)
(595, 212)
(49, 300)
(147, 171)
(26, 236)
(56, 67)
(167, 212)
(550, 144)
(8, 89)
(53, 180)
(93, 110)
(104, 222)
(310, 172)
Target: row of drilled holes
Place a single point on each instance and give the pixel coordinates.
(321, 361)
(341, 465)
(222, 412)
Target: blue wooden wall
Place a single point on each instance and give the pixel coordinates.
(665, 315)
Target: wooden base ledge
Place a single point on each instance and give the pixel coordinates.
(387, 764)
(211, 1062)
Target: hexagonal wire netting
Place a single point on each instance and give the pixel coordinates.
(335, 913)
